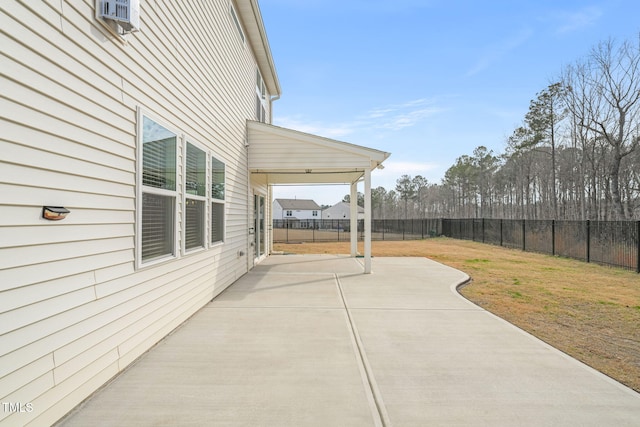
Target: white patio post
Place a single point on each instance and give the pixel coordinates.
(269, 220)
(353, 215)
(367, 221)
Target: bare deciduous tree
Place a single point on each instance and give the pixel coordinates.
(604, 97)
(584, 164)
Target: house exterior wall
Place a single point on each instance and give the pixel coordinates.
(277, 211)
(75, 306)
(340, 210)
(305, 214)
(280, 213)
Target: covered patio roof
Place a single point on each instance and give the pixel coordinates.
(284, 156)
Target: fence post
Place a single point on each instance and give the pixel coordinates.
(588, 240)
(524, 235)
(473, 230)
(483, 230)
(501, 238)
(638, 248)
(553, 237)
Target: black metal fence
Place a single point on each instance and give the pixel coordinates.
(614, 243)
(334, 230)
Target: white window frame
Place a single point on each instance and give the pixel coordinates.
(180, 195)
(141, 189)
(212, 200)
(261, 98)
(186, 196)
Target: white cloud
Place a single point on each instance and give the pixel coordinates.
(574, 21)
(407, 168)
(393, 170)
(334, 131)
(408, 118)
(392, 117)
(400, 116)
(378, 113)
(499, 50)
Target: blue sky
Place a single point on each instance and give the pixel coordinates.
(426, 80)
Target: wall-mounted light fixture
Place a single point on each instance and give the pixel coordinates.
(54, 213)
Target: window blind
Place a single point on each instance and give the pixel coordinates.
(158, 214)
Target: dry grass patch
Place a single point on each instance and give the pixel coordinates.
(590, 312)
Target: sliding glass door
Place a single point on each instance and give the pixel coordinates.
(259, 226)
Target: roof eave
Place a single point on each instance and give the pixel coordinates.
(251, 17)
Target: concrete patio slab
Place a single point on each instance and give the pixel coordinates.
(311, 341)
(439, 367)
(333, 264)
(406, 283)
(247, 366)
(282, 290)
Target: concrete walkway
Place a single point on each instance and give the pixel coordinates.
(311, 341)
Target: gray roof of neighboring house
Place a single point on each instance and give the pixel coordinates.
(298, 204)
(360, 208)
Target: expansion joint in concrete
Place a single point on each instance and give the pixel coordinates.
(378, 409)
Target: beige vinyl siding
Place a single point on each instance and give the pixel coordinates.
(74, 310)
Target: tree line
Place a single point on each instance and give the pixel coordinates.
(575, 156)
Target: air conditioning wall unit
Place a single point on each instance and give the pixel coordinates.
(126, 13)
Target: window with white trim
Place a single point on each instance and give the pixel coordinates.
(195, 172)
(261, 98)
(200, 196)
(217, 200)
(159, 193)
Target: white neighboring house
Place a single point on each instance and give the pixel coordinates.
(297, 213)
(341, 210)
(300, 209)
(158, 145)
